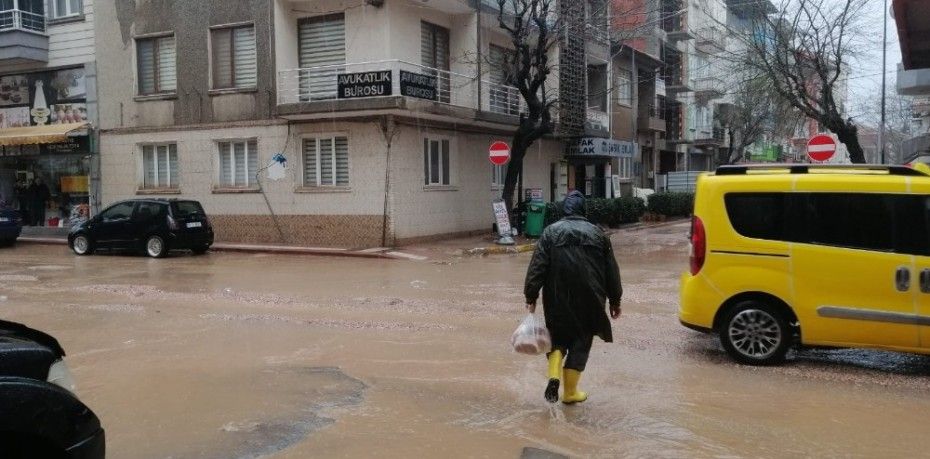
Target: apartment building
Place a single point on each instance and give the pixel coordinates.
(48, 106)
(913, 24)
(384, 111)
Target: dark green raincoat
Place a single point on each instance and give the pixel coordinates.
(574, 265)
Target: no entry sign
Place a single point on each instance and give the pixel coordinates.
(499, 153)
(821, 147)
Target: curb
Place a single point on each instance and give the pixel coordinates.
(500, 250)
(42, 240)
(645, 225)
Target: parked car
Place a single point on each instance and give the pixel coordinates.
(11, 225)
(153, 226)
(40, 416)
(811, 255)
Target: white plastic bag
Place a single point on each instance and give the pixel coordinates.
(531, 337)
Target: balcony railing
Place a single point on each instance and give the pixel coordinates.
(711, 39)
(709, 86)
(383, 79)
(597, 120)
(21, 20)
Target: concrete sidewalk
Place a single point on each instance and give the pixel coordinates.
(55, 236)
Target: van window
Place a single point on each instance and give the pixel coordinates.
(854, 220)
(911, 214)
(758, 215)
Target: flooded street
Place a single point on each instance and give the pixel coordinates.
(244, 355)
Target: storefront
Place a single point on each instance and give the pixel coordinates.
(45, 146)
(598, 165)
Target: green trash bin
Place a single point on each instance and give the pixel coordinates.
(535, 219)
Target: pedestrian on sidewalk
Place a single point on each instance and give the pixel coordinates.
(38, 196)
(575, 267)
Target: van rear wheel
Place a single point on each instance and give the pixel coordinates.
(755, 333)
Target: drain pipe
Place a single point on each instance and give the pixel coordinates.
(389, 130)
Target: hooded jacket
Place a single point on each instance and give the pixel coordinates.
(574, 265)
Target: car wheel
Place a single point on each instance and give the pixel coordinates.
(200, 250)
(155, 247)
(755, 333)
(81, 245)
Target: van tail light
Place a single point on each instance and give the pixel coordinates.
(172, 223)
(698, 245)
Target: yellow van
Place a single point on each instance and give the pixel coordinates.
(811, 255)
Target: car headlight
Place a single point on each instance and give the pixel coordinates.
(60, 375)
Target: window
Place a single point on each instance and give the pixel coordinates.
(625, 168)
(321, 55)
(624, 87)
(238, 163)
(436, 162)
(121, 211)
(861, 221)
(65, 8)
(498, 175)
(160, 166)
(156, 65)
(326, 161)
(757, 215)
(234, 63)
(146, 211)
(184, 209)
(503, 97)
(434, 50)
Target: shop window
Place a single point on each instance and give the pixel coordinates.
(436, 162)
(234, 63)
(157, 68)
(498, 175)
(326, 161)
(160, 166)
(65, 8)
(238, 163)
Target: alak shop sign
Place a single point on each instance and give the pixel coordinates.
(364, 84)
(595, 146)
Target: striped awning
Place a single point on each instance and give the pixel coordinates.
(32, 135)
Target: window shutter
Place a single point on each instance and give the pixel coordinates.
(75, 6)
(146, 62)
(162, 161)
(322, 42)
(310, 161)
(173, 165)
(445, 162)
(225, 164)
(342, 161)
(148, 167)
(222, 58)
(434, 172)
(326, 162)
(252, 161)
(167, 73)
(426, 161)
(244, 51)
(239, 160)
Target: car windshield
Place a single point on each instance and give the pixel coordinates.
(183, 209)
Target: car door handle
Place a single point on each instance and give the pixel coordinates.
(925, 281)
(902, 279)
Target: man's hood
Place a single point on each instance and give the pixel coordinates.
(574, 204)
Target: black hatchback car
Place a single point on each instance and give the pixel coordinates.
(39, 414)
(154, 226)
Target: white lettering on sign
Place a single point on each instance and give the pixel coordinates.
(592, 146)
(503, 220)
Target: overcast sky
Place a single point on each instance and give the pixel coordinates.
(866, 73)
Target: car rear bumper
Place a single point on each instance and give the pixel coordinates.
(10, 232)
(91, 448)
(190, 240)
(699, 302)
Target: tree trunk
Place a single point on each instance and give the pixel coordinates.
(514, 169)
(848, 134)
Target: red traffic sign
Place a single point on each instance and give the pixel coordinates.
(499, 153)
(821, 147)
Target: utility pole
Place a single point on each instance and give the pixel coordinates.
(881, 129)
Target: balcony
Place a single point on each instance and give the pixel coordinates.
(651, 119)
(392, 85)
(709, 87)
(914, 82)
(676, 28)
(707, 136)
(597, 122)
(711, 40)
(677, 83)
(22, 37)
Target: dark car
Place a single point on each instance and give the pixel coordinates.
(154, 226)
(39, 414)
(11, 225)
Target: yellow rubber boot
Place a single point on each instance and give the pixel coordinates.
(555, 375)
(571, 393)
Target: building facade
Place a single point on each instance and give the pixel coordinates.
(384, 112)
(913, 24)
(48, 109)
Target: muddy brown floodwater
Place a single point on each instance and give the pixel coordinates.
(240, 356)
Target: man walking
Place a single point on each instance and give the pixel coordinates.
(574, 265)
(38, 195)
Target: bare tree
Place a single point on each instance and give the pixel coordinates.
(805, 49)
(534, 32)
(757, 112)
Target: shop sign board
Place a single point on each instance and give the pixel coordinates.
(533, 195)
(501, 217)
(41, 98)
(364, 84)
(418, 85)
(596, 146)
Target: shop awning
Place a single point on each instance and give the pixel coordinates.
(31, 135)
